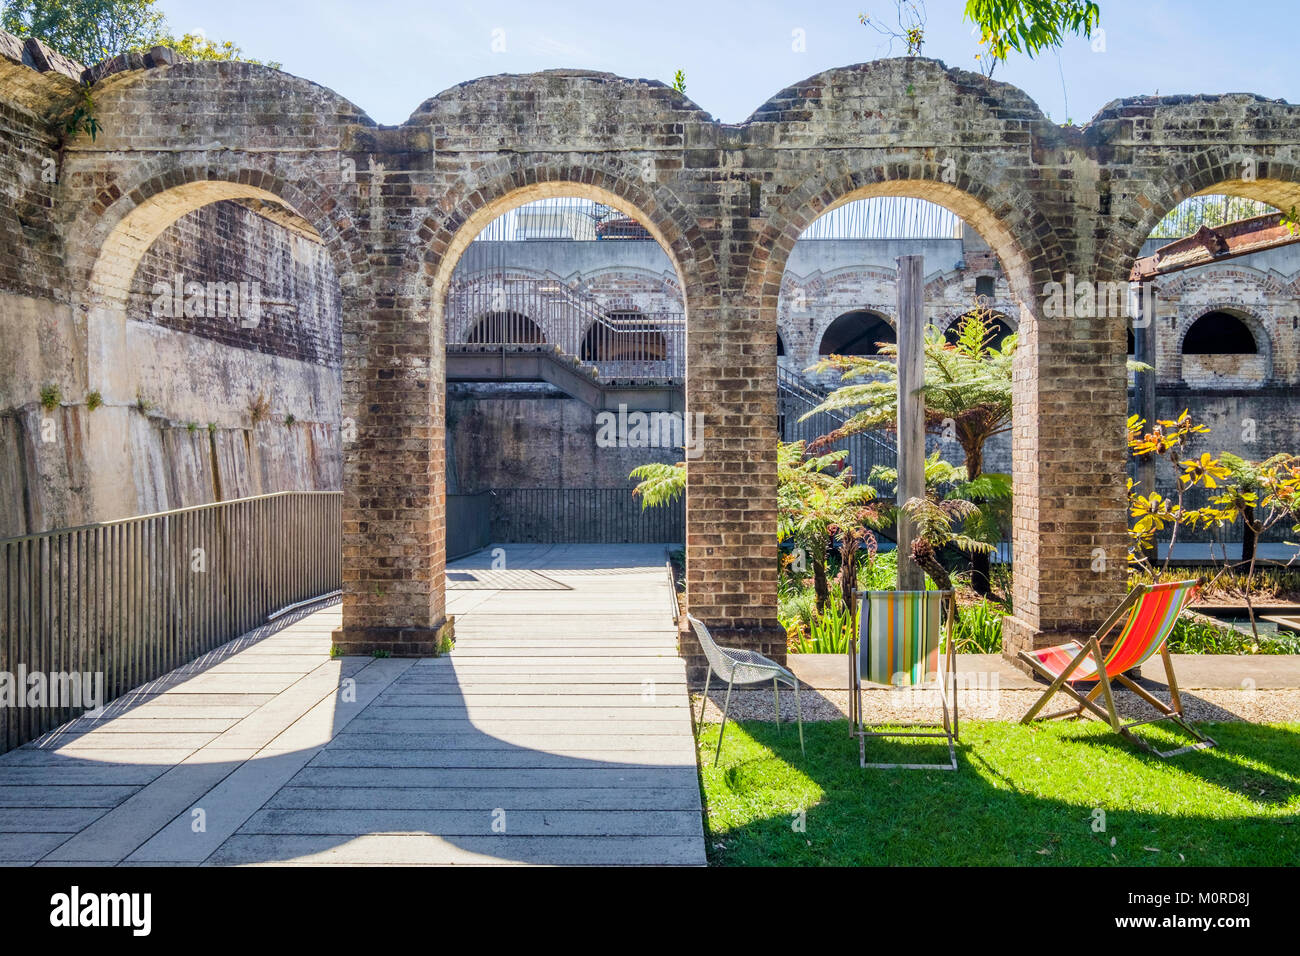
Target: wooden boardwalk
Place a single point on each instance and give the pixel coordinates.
(558, 732)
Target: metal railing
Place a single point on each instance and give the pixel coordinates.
(469, 524)
(795, 398)
(583, 515)
(131, 600)
(886, 217)
(498, 309)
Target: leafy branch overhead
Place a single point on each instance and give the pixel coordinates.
(1027, 26)
(89, 31)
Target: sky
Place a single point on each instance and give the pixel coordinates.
(388, 56)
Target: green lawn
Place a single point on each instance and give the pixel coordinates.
(1023, 796)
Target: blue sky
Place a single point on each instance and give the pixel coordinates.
(387, 56)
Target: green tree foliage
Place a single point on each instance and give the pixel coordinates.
(968, 399)
(1027, 26)
(198, 47)
(968, 514)
(86, 30)
(819, 504)
(89, 31)
(1215, 210)
(660, 484)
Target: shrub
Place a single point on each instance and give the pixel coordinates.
(831, 633)
(1195, 634)
(979, 629)
(259, 408)
(51, 396)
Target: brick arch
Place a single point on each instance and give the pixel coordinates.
(1018, 233)
(825, 326)
(1210, 170)
(1249, 316)
(1030, 253)
(443, 235)
(121, 222)
(1268, 283)
(669, 285)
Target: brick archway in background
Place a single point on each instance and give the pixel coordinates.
(397, 204)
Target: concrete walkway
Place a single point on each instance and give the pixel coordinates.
(557, 732)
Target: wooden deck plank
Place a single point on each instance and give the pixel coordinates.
(565, 709)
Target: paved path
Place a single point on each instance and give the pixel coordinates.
(557, 732)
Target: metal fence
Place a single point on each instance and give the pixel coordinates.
(131, 600)
(469, 523)
(583, 515)
(796, 398)
(886, 217)
(497, 309)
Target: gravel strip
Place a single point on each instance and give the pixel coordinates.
(879, 705)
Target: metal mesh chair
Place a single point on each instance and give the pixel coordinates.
(738, 666)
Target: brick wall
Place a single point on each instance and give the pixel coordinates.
(225, 242)
(396, 207)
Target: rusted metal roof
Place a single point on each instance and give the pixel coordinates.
(1215, 244)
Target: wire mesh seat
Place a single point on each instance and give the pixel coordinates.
(738, 666)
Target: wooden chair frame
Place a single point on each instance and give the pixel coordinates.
(1060, 682)
(946, 678)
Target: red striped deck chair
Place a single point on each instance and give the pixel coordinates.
(897, 642)
(1152, 610)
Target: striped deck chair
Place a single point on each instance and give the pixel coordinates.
(897, 642)
(1152, 610)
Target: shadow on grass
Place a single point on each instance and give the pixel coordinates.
(1064, 794)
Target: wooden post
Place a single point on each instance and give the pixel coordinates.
(1144, 350)
(911, 410)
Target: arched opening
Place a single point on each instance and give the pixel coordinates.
(860, 332)
(853, 250)
(1208, 255)
(1000, 329)
(505, 328)
(582, 272)
(780, 345)
(624, 338)
(214, 323)
(1219, 333)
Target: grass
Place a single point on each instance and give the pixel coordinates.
(1197, 634)
(1023, 796)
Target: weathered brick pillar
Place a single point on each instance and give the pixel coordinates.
(393, 482)
(1069, 534)
(731, 549)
